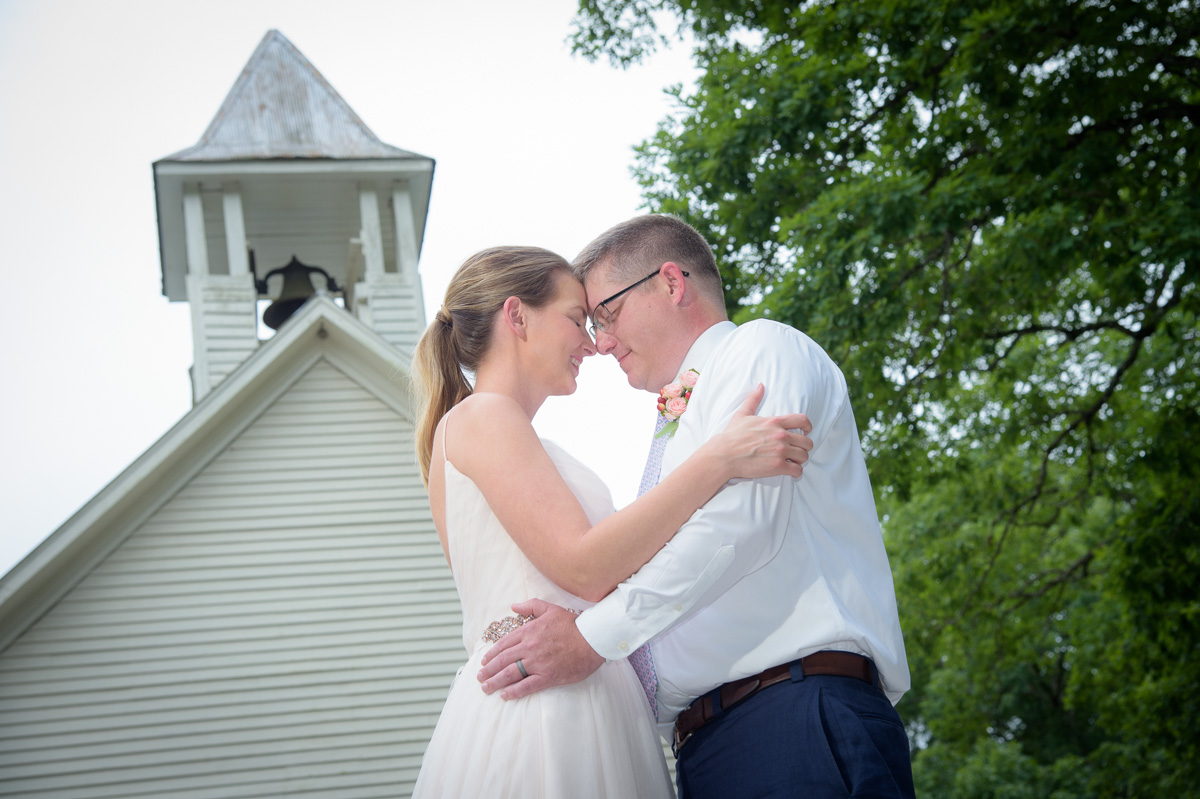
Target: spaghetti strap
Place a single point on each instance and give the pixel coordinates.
(445, 428)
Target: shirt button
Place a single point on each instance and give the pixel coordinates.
(678, 608)
(624, 646)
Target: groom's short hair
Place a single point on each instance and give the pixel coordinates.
(638, 245)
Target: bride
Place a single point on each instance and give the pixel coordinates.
(518, 517)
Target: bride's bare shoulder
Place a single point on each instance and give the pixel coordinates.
(487, 402)
(484, 419)
(486, 411)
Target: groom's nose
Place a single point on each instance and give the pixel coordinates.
(605, 343)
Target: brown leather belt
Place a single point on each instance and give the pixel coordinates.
(704, 710)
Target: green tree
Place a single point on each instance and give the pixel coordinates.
(987, 213)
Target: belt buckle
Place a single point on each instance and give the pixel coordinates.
(679, 741)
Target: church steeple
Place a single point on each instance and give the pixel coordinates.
(287, 169)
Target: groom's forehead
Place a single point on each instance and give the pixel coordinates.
(599, 285)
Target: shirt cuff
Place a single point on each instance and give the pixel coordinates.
(607, 629)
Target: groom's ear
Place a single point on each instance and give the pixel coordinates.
(676, 284)
(513, 314)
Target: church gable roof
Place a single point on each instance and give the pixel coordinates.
(282, 107)
(258, 606)
(320, 329)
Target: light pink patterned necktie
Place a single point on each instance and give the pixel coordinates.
(641, 660)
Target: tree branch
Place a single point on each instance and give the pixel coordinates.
(1061, 577)
(1070, 333)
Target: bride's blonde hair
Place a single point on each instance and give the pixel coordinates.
(461, 331)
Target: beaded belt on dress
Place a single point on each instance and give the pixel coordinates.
(498, 629)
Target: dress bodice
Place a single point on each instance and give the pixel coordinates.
(490, 571)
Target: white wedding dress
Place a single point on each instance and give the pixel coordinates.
(595, 738)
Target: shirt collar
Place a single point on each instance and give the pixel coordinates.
(704, 346)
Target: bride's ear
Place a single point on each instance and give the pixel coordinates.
(513, 314)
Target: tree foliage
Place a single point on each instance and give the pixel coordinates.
(987, 213)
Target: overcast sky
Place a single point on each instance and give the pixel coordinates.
(533, 146)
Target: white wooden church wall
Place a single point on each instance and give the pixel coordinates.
(224, 324)
(219, 286)
(284, 625)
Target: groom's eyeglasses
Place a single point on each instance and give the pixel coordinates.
(602, 317)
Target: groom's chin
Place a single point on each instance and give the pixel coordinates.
(637, 382)
(630, 378)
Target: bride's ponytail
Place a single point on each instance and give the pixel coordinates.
(461, 332)
(438, 381)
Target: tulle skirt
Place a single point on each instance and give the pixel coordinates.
(595, 738)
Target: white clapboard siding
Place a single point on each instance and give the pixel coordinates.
(392, 308)
(224, 327)
(284, 625)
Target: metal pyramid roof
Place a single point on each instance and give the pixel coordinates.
(282, 107)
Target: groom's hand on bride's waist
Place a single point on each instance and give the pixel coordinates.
(550, 650)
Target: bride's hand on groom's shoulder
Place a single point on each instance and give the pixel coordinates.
(550, 649)
(764, 446)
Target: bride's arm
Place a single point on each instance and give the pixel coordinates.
(491, 441)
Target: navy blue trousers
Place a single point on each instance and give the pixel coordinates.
(817, 736)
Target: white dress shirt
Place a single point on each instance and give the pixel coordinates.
(769, 570)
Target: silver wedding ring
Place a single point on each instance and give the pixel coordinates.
(521, 668)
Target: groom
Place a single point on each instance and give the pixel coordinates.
(775, 653)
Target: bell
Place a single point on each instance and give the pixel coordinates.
(297, 288)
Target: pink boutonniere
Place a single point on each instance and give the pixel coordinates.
(673, 400)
